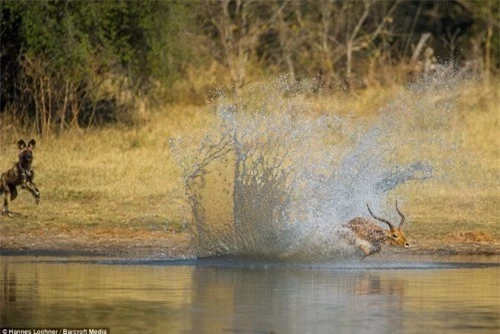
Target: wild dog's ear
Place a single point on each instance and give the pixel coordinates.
(21, 144)
(32, 143)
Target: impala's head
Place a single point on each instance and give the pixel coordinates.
(395, 236)
(26, 152)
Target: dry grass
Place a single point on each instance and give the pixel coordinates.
(127, 178)
(112, 176)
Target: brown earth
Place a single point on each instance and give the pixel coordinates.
(112, 242)
(138, 243)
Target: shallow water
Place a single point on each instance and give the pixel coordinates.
(234, 296)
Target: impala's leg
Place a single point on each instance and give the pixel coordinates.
(370, 249)
(366, 247)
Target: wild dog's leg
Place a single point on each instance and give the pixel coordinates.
(32, 188)
(10, 193)
(5, 209)
(28, 184)
(13, 192)
(13, 195)
(5, 190)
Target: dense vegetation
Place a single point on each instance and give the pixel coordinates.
(67, 64)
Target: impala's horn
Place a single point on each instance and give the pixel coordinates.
(401, 214)
(381, 219)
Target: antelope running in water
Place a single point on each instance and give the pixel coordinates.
(369, 236)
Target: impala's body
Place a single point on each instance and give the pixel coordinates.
(21, 174)
(369, 236)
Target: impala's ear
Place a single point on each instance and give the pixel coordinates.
(32, 143)
(21, 144)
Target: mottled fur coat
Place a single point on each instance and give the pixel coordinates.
(21, 174)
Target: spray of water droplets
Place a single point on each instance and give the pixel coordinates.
(271, 181)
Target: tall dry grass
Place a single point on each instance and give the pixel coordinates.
(127, 176)
(109, 176)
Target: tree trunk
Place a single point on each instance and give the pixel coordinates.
(348, 67)
(487, 54)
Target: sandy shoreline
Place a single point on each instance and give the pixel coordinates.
(126, 243)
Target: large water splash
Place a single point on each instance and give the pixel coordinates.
(269, 181)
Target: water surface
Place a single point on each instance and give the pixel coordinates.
(232, 296)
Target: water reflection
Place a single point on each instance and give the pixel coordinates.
(246, 299)
(294, 301)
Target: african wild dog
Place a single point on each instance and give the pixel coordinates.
(21, 174)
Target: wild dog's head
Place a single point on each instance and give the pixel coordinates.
(26, 153)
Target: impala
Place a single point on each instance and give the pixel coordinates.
(369, 236)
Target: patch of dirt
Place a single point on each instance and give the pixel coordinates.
(130, 242)
(468, 237)
(112, 242)
(468, 244)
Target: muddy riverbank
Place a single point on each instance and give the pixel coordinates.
(133, 243)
